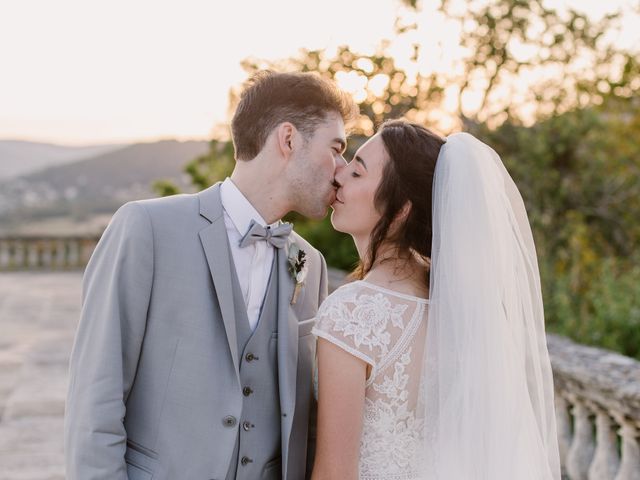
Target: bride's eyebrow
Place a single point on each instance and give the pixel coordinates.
(359, 159)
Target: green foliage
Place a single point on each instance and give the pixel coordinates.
(579, 174)
(165, 188)
(508, 41)
(596, 305)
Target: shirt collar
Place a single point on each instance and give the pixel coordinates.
(239, 209)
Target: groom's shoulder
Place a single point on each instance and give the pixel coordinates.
(158, 217)
(188, 207)
(181, 203)
(174, 209)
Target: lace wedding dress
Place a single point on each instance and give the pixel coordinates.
(469, 394)
(386, 329)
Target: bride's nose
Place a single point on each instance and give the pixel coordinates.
(339, 174)
(340, 162)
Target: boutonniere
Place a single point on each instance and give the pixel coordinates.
(297, 268)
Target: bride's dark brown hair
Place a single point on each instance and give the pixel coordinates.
(406, 177)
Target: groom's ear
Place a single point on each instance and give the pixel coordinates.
(285, 137)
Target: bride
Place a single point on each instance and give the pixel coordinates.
(433, 364)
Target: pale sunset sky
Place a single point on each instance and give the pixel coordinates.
(84, 71)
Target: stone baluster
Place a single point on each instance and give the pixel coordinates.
(5, 255)
(564, 427)
(33, 259)
(630, 463)
(86, 249)
(74, 253)
(606, 460)
(47, 253)
(61, 250)
(582, 446)
(19, 257)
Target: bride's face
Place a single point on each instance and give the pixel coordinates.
(354, 211)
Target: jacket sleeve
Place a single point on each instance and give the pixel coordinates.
(116, 291)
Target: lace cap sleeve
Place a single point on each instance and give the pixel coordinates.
(357, 321)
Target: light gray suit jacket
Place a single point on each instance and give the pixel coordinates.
(154, 380)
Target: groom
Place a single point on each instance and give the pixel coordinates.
(193, 356)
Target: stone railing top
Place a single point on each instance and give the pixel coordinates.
(35, 237)
(604, 378)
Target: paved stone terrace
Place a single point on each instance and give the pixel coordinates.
(39, 312)
(38, 316)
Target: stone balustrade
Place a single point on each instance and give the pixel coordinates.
(45, 252)
(598, 411)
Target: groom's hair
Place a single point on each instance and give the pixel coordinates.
(269, 98)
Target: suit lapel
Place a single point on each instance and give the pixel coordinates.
(287, 347)
(216, 249)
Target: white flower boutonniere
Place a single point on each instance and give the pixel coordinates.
(297, 268)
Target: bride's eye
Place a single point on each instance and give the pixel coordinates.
(354, 174)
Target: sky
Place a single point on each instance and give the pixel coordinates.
(81, 72)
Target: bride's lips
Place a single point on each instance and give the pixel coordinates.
(335, 198)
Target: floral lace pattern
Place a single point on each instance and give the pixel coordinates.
(385, 329)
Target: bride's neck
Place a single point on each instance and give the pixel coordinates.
(408, 275)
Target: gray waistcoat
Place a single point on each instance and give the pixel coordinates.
(257, 452)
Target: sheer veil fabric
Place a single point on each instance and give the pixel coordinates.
(486, 389)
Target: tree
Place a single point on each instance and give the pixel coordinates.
(578, 173)
(570, 59)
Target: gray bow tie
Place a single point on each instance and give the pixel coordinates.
(275, 236)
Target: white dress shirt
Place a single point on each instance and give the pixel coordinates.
(253, 262)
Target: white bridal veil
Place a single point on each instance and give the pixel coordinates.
(487, 389)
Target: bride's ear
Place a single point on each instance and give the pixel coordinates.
(401, 216)
(285, 137)
(404, 212)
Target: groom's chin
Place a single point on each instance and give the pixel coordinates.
(319, 215)
(316, 214)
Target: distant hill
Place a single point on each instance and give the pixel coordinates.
(99, 184)
(21, 158)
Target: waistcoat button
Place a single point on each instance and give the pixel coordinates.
(246, 391)
(229, 421)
